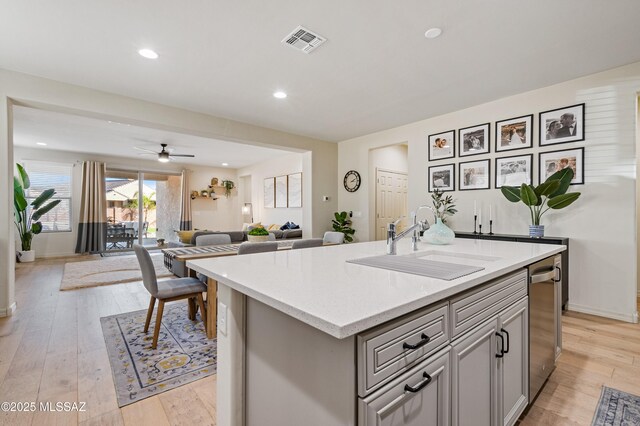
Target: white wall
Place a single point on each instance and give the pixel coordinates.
(285, 165)
(223, 214)
(27, 90)
(601, 225)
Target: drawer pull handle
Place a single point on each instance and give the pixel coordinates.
(501, 354)
(424, 341)
(425, 382)
(506, 351)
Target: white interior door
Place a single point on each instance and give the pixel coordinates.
(391, 200)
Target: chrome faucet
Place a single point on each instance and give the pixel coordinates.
(416, 227)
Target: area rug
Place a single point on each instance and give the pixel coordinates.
(108, 270)
(617, 408)
(183, 354)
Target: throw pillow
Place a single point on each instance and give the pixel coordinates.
(293, 226)
(273, 227)
(285, 226)
(254, 225)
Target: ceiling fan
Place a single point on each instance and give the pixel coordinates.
(164, 155)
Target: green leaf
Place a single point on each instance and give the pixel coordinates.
(20, 202)
(564, 176)
(36, 228)
(563, 200)
(44, 210)
(511, 193)
(547, 188)
(528, 195)
(24, 177)
(42, 198)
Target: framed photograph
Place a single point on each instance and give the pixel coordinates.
(442, 177)
(514, 171)
(562, 125)
(269, 193)
(514, 133)
(442, 145)
(474, 140)
(281, 192)
(551, 162)
(474, 175)
(294, 193)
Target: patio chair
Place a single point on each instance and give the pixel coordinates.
(166, 291)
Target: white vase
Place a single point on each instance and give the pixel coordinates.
(439, 233)
(26, 256)
(536, 231)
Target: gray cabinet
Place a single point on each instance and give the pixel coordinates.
(417, 398)
(490, 370)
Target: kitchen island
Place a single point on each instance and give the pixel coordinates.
(304, 337)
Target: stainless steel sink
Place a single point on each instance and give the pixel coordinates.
(430, 263)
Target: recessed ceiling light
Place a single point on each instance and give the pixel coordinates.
(148, 53)
(433, 33)
(41, 143)
(225, 164)
(280, 95)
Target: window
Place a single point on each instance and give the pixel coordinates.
(44, 175)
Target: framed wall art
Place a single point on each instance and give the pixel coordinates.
(514, 133)
(562, 125)
(294, 193)
(474, 140)
(442, 177)
(551, 162)
(442, 145)
(269, 193)
(474, 175)
(281, 191)
(514, 171)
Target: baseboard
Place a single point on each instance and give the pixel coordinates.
(7, 312)
(633, 318)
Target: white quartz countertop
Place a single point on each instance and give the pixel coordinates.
(318, 287)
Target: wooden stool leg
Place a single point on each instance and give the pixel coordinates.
(192, 308)
(156, 331)
(202, 310)
(152, 304)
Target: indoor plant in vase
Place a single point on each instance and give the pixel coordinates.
(341, 223)
(258, 235)
(228, 186)
(439, 232)
(551, 194)
(25, 218)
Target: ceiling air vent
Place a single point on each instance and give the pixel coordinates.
(303, 39)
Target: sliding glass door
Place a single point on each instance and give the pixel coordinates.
(142, 208)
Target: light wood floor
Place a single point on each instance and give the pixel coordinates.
(52, 349)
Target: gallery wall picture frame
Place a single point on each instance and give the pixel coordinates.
(281, 191)
(442, 145)
(474, 175)
(514, 170)
(514, 133)
(474, 140)
(552, 161)
(442, 177)
(562, 125)
(294, 190)
(269, 193)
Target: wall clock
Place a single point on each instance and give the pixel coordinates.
(352, 181)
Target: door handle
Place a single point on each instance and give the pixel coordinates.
(547, 276)
(501, 354)
(506, 351)
(422, 384)
(559, 274)
(424, 341)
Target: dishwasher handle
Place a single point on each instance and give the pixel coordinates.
(546, 276)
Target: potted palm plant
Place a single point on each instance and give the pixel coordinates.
(551, 194)
(27, 216)
(341, 223)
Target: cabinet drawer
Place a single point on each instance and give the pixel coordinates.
(386, 350)
(479, 304)
(426, 403)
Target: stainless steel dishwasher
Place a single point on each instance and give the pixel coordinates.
(544, 276)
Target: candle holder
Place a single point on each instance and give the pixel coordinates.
(491, 227)
(475, 223)
(480, 229)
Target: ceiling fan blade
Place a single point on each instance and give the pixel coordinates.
(155, 154)
(145, 150)
(181, 155)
